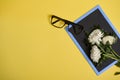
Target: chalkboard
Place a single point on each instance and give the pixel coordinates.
(94, 17)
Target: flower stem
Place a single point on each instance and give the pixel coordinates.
(112, 54)
(102, 49)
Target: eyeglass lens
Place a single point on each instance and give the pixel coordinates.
(57, 22)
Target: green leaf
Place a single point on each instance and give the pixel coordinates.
(117, 73)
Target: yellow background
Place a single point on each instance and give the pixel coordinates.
(32, 49)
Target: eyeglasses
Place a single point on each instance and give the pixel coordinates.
(60, 23)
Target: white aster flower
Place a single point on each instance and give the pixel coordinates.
(95, 36)
(95, 54)
(110, 39)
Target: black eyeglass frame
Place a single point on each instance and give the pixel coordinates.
(74, 25)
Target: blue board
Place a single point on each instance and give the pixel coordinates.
(94, 17)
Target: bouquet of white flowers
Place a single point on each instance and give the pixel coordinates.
(101, 45)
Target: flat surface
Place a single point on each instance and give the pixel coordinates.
(32, 49)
